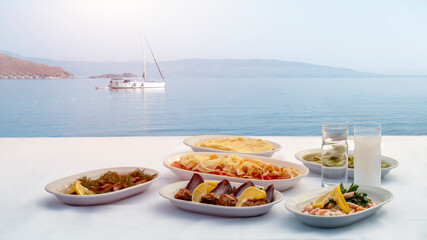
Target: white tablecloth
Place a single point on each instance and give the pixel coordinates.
(27, 211)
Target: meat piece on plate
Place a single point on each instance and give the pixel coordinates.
(183, 194)
(227, 200)
(210, 198)
(251, 203)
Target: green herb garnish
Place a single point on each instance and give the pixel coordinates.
(358, 198)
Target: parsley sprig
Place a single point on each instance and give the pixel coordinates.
(359, 198)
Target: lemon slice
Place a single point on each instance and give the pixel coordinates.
(323, 199)
(250, 193)
(81, 190)
(340, 200)
(69, 190)
(201, 190)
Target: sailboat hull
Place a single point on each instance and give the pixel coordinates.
(125, 84)
(135, 84)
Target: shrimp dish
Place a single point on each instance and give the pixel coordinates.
(339, 201)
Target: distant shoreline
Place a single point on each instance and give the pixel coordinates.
(108, 78)
(189, 68)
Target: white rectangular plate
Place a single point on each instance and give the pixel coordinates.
(169, 192)
(56, 187)
(280, 185)
(191, 142)
(297, 203)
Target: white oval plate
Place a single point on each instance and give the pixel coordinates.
(191, 142)
(296, 204)
(59, 185)
(169, 191)
(316, 168)
(280, 185)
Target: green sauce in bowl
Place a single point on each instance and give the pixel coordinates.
(316, 158)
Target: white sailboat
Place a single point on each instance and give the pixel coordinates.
(140, 83)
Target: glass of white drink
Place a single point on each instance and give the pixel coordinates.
(334, 152)
(367, 153)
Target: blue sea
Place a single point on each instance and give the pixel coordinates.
(238, 106)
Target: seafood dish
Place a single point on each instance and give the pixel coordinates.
(338, 206)
(339, 201)
(223, 194)
(311, 159)
(215, 198)
(260, 170)
(235, 166)
(232, 144)
(70, 190)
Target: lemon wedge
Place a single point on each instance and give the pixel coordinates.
(201, 190)
(340, 200)
(69, 190)
(323, 199)
(81, 190)
(250, 193)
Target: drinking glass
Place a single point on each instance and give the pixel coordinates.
(334, 152)
(367, 153)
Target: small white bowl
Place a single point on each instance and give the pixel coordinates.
(169, 192)
(56, 187)
(316, 168)
(280, 185)
(192, 141)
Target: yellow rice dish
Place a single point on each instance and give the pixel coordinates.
(238, 144)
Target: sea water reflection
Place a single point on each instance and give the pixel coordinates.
(140, 108)
(271, 106)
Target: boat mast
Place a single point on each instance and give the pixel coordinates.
(152, 54)
(143, 53)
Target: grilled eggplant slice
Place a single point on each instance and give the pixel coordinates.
(194, 182)
(270, 193)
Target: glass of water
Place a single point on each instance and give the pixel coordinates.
(334, 152)
(367, 153)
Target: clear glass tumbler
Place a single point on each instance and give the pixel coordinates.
(334, 152)
(367, 153)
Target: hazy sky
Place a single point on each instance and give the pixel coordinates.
(387, 37)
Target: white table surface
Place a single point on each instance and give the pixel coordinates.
(27, 211)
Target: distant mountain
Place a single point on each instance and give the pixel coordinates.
(205, 68)
(253, 68)
(16, 68)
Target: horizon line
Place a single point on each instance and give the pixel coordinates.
(201, 58)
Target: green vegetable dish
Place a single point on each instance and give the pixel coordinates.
(316, 157)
